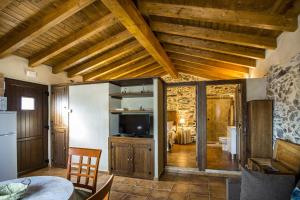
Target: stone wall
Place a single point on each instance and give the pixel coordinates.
(183, 100)
(283, 86)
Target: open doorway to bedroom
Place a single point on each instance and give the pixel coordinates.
(181, 126)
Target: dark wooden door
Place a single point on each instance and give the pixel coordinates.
(121, 161)
(142, 160)
(31, 103)
(59, 125)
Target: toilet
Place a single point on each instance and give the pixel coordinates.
(223, 141)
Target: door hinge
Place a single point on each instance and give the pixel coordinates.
(150, 149)
(47, 93)
(149, 173)
(47, 127)
(47, 161)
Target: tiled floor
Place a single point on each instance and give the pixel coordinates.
(170, 187)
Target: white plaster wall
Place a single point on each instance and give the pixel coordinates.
(256, 89)
(89, 127)
(288, 45)
(14, 67)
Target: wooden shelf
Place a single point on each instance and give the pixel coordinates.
(131, 95)
(132, 111)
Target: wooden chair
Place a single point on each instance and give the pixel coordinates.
(103, 193)
(81, 169)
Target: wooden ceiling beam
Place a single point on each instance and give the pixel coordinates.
(115, 65)
(226, 58)
(219, 47)
(102, 46)
(132, 19)
(104, 59)
(215, 35)
(241, 71)
(4, 3)
(142, 71)
(10, 43)
(153, 73)
(128, 69)
(235, 17)
(73, 39)
(211, 69)
(196, 73)
(204, 71)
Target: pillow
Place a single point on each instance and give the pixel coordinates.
(296, 192)
(258, 186)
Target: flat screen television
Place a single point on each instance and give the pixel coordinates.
(135, 125)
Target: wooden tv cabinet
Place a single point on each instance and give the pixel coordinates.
(131, 156)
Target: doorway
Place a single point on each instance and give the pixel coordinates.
(30, 100)
(222, 144)
(181, 126)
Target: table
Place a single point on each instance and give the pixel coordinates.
(46, 188)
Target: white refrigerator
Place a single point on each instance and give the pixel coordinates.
(8, 145)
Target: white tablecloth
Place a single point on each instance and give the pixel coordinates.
(46, 188)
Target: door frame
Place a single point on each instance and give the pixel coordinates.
(203, 133)
(201, 117)
(182, 84)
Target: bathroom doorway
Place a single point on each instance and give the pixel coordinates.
(222, 136)
(181, 129)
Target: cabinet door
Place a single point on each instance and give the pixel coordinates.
(121, 162)
(142, 159)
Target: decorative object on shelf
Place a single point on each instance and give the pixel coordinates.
(141, 108)
(124, 91)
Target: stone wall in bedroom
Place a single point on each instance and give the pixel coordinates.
(183, 100)
(283, 86)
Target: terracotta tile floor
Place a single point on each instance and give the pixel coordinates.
(170, 187)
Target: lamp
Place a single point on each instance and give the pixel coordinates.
(182, 122)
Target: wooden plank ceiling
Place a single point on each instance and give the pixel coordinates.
(112, 39)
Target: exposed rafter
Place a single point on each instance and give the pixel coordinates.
(236, 68)
(5, 3)
(132, 19)
(205, 71)
(235, 17)
(219, 47)
(10, 43)
(210, 69)
(92, 51)
(196, 73)
(128, 69)
(73, 39)
(153, 73)
(226, 58)
(115, 66)
(142, 71)
(104, 59)
(215, 35)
